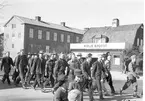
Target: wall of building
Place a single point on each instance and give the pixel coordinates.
(55, 46)
(14, 37)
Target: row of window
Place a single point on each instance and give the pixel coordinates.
(31, 35)
(14, 35)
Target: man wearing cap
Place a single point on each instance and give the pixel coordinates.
(75, 88)
(132, 77)
(49, 66)
(59, 71)
(33, 67)
(61, 93)
(6, 63)
(86, 70)
(79, 58)
(39, 66)
(97, 70)
(21, 64)
(73, 64)
(16, 72)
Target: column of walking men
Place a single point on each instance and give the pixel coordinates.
(68, 75)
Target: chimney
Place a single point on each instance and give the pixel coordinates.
(115, 22)
(38, 18)
(85, 29)
(62, 23)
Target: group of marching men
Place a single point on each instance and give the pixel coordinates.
(68, 75)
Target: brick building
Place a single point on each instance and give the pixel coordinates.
(35, 34)
(114, 39)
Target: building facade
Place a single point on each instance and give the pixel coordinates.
(114, 39)
(33, 35)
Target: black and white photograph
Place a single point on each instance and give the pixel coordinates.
(71, 50)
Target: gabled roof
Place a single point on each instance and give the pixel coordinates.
(122, 33)
(46, 24)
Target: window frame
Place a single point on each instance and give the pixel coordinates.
(68, 38)
(47, 34)
(31, 33)
(55, 36)
(62, 37)
(39, 34)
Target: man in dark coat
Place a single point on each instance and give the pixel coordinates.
(79, 58)
(7, 62)
(86, 70)
(61, 93)
(16, 71)
(97, 70)
(49, 66)
(32, 69)
(22, 63)
(39, 65)
(60, 71)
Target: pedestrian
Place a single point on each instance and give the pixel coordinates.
(86, 70)
(61, 93)
(79, 58)
(75, 89)
(60, 71)
(97, 70)
(22, 63)
(15, 74)
(32, 68)
(29, 57)
(73, 64)
(131, 77)
(39, 65)
(6, 64)
(49, 66)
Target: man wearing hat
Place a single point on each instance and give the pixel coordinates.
(6, 63)
(86, 70)
(59, 70)
(39, 66)
(79, 58)
(21, 64)
(132, 77)
(61, 93)
(76, 87)
(97, 70)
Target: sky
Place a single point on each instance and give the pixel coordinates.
(76, 13)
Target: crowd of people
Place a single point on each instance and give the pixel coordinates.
(68, 75)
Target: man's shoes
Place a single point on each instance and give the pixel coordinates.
(32, 87)
(136, 96)
(120, 92)
(101, 98)
(24, 87)
(2, 81)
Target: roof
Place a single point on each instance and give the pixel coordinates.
(122, 33)
(46, 24)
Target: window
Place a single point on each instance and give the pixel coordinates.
(39, 34)
(137, 41)
(19, 35)
(55, 36)
(13, 25)
(30, 33)
(62, 37)
(77, 39)
(116, 60)
(12, 45)
(13, 34)
(47, 49)
(68, 38)
(141, 42)
(47, 35)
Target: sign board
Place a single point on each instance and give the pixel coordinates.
(97, 46)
